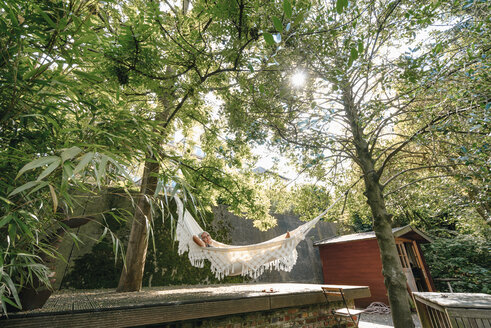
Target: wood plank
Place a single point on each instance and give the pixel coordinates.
(458, 321)
(142, 316)
(356, 263)
(423, 315)
(426, 302)
(421, 265)
(284, 301)
(458, 300)
(433, 317)
(469, 313)
(180, 305)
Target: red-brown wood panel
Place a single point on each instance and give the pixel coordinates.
(355, 263)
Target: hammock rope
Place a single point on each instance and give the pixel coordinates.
(278, 253)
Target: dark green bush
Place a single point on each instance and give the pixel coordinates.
(465, 257)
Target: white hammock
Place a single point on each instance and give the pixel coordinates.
(251, 260)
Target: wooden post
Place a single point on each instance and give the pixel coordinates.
(422, 266)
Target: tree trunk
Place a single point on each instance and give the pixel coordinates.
(132, 275)
(394, 278)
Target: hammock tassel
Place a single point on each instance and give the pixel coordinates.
(251, 260)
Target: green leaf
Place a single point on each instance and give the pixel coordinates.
(277, 24)
(268, 37)
(67, 168)
(83, 162)
(120, 168)
(287, 8)
(250, 67)
(49, 169)
(42, 184)
(298, 19)
(350, 61)
(12, 232)
(6, 201)
(340, 4)
(53, 197)
(353, 54)
(438, 48)
(101, 170)
(88, 76)
(35, 71)
(46, 18)
(5, 220)
(360, 47)
(104, 233)
(70, 153)
(25, 186)
(37, 163)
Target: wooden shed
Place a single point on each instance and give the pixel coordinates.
(355, 260)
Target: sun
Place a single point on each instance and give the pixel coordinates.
(298, 79)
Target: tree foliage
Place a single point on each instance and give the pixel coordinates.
(92, 94)
(91, 89)
(396, 115)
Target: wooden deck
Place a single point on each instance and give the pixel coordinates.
(106, 308)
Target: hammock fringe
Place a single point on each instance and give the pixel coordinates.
(276, 254)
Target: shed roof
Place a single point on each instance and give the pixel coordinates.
(406, 231)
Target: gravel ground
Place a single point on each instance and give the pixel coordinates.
(381, 321)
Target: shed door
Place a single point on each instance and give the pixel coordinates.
(406, 266)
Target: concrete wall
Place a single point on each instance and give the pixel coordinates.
(308, 268)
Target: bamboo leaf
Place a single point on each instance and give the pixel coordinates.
(120, 168)
(35, 71)
(37, 163)
(89, 76)
(70, 153)
(41, 184)
(53, 197)
(104, 233)
(101, 170)
(83, 162)
(5, 220)
(46, 18)
(25, 186)
(6, 201)
(49, 169)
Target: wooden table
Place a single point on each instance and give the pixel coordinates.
(454, 310)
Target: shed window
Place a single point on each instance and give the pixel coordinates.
(402, 255)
